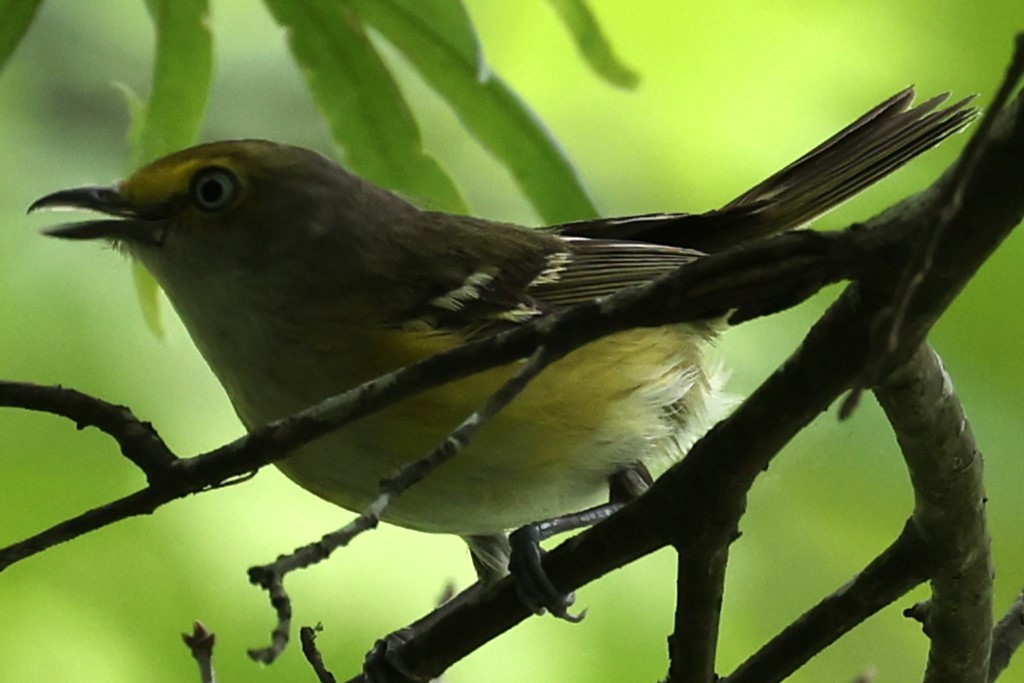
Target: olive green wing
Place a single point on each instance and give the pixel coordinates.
(573, 270)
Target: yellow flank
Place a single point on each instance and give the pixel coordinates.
(550, 451)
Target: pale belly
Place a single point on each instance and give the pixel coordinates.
(548, 453)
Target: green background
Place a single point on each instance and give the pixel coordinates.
(730, 92)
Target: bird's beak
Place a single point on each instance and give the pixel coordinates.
(128, 222)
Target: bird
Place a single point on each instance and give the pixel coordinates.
(298, 280)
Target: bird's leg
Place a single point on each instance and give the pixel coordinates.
(535, 588)
(490, 554)
(495, 556)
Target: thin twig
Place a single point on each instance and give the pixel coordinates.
(896, 571)
(271, 576)
(200, 643)
(307, 636)
(1007, 638)
(142, 502)
(138, 440)
(413, 472)
(975, 147)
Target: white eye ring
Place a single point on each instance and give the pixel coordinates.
(214, 188)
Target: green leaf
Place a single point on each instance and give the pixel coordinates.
(15, 18)
(592, 43)
(171, 118)
(367, 115)
(437, 37)
(182, 73)
(136, 106)
(147, 291)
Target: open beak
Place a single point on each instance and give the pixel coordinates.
(130, 223)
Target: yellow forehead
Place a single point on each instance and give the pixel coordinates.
(169, 177)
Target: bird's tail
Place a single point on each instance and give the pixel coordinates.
(870, 148)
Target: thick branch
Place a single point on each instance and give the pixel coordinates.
(946, 471)
(708, 488)
(700, 586)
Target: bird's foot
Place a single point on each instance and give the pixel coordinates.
(535, 588)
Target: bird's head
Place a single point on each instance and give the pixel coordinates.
(241, 204)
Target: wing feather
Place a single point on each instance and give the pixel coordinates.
(499, 296)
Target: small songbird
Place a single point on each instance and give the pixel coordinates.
(298, 280)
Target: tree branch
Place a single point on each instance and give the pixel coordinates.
(754, 279)
(307, 636)
(1007, 638)
(270, 577)
(708, 488)
(700, 585)
(900, 568)
(138, 440)
(946, 471)
(200, 643)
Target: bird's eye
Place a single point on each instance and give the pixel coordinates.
(214, 188)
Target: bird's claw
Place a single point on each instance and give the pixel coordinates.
(383, 663)
(535, 588)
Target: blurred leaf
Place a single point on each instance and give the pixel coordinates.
(147, 291)
(171, 119)
(438, 39)
(16, 17)
(446, 19)
(136, 107)
(181, 80)
(367, 114)
(593, 44)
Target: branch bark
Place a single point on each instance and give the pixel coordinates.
(896, 571)
(946, 470)
(1007, 638)
(978, 203)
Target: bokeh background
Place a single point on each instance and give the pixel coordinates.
(731, 91)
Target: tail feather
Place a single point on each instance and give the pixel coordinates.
(870, 148)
